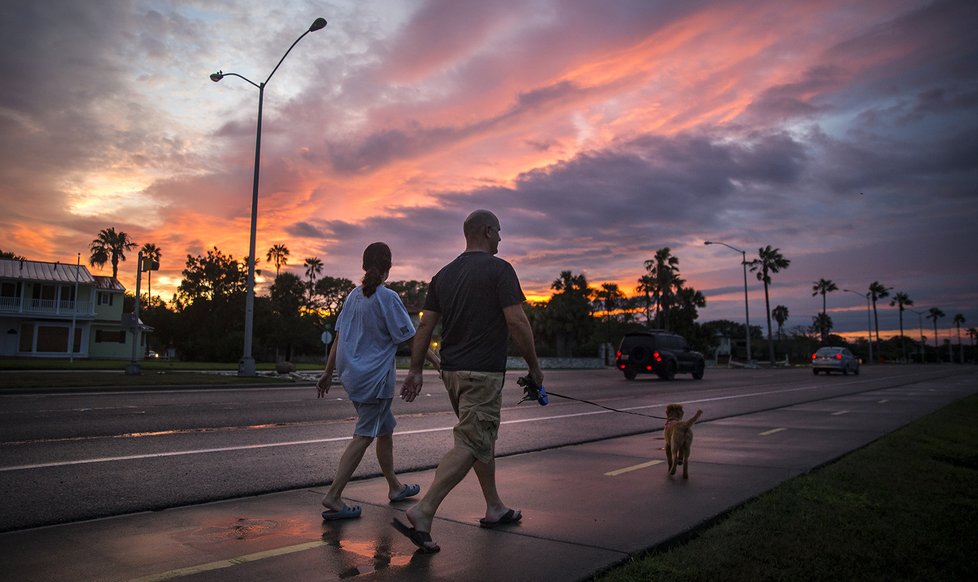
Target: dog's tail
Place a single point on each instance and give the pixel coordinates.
(693, 419)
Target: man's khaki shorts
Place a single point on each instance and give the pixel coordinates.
(477, 398)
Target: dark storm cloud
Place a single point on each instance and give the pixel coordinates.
(793, 100)
(588, 210)
(306, 230)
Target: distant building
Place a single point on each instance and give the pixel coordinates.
(43, 304)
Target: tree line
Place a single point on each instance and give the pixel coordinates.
(203, 320)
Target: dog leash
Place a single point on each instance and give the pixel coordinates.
(606, 407)
(533, 391)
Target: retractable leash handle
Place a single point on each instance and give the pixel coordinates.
(532, 390)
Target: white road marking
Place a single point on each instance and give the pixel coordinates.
(840, 413)
(617, 472)
(772, 431)
(411, 432)
(220, 564)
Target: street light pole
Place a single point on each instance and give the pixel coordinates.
(743, 257)
(869, 322)
(246, 367)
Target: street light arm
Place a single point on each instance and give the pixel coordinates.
(318, 24)
(731, 247)
(216, 77)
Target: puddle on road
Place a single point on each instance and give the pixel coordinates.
(243, 529)
(365, 556)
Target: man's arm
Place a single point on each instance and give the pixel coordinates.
(419, 349)
(522, 334)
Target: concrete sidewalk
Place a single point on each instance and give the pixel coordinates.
(585, 508)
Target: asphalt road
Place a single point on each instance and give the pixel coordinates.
(67, 457)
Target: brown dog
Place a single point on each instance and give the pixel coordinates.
(679, 438)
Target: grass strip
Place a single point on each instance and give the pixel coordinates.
(27, 364)
(903, 508)
(109, 379)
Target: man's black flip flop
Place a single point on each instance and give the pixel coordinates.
(418, 538)
(511, 516)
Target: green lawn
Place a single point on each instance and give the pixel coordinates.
(903, 508)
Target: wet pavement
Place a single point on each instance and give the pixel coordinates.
(585, 507)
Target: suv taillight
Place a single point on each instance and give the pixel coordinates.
(814, 356)
(838, 356)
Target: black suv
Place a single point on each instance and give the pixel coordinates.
(658, 352)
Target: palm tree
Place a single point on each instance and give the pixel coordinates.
(780, 315)
(314, 267)
(279, 255)
(822, 323)
(610, 297)
(823, 287)
(664, 271)
(902, 301)
(958, 320)
(110, 246)
(769, 261)
(150, 252)
(878, 291)
(646, 284)
(935, 314)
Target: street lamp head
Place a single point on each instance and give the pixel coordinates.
(217, 76)
(318, 24)
(708, 242)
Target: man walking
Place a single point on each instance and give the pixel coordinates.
(478, 299)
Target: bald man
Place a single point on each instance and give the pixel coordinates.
(479, 302)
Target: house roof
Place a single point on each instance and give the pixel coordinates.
(47, 272)
(108, 283)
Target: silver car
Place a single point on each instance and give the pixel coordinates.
(834, 360)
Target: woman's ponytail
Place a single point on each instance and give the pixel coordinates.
(376, 262)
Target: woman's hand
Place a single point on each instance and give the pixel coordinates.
(325, 381)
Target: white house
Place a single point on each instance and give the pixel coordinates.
(42, 305)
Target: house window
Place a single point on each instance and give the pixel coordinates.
(52, 339)
(45, 292)
(10, 289)
(104, 336)
(43, 296)
(105, 298)
(9, 294)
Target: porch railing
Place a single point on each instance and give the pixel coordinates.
(63, 307)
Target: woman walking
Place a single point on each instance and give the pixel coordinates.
(369, 328)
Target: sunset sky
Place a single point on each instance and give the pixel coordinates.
(845, 133)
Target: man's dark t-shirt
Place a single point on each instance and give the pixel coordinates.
(470, 293)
